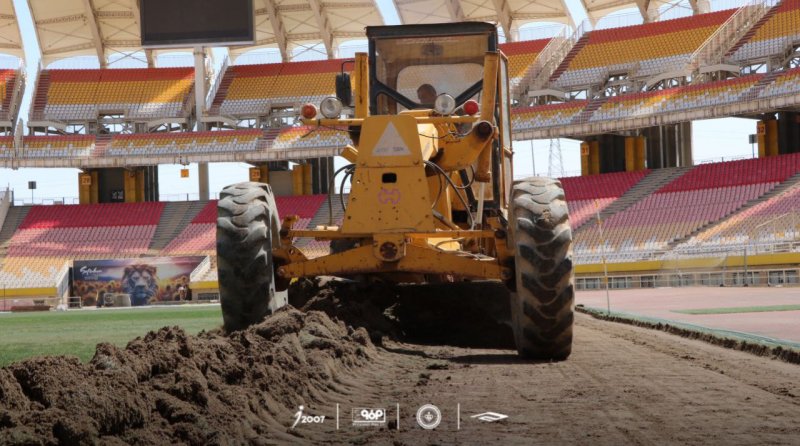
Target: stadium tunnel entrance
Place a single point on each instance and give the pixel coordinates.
(118, 185)
(651, 147)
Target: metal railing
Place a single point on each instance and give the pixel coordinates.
(5, 203)
(727, 34)
(554, 53)
(710, 251)
(771, 277)
(539, 32)
(215, 88)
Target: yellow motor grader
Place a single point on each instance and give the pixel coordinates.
(432, 196)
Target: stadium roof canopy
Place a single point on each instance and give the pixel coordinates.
(10, 39)
(597, 9)
(510, 14)
(68, 28)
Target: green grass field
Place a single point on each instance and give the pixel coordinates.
(23, 335)
(732, 310)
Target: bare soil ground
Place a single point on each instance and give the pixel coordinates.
(622, 385)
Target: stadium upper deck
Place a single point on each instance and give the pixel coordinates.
(621, 72)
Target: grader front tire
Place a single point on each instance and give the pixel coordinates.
(247, 225)
(542, 306)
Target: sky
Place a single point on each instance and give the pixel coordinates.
(712, 140)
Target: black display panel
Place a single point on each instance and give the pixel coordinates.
(181, 23)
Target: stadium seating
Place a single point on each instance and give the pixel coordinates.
(7, 147)
(773, 220)
(773, 35)
(550, 115)
(70, 146)
(200, 238)
(521, 56)
(308, 137)
(8, 80)
(139, 94)
(786, 82)
(51, 237)
(675, 99)
(640, 50)
(250, 90)
(587, 196)
(704, 195)
(185, 142)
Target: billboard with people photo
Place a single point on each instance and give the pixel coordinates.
(146, 280)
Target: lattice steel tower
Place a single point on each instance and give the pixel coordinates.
(555, 164)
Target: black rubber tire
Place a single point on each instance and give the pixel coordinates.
(247, 231)
(542, 304)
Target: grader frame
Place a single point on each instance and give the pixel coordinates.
(432, 196)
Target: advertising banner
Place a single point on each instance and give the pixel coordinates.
(146, 279)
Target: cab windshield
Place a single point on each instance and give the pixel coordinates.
(409, 72)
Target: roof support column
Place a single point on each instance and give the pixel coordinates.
(700, 6)
(199, 107)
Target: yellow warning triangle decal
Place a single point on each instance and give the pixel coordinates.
(390, 143)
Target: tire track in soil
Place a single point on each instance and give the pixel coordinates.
(622, 385)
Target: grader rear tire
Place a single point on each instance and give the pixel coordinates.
(247, 231)
(542, 306)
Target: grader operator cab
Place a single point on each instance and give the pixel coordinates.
(432, 195)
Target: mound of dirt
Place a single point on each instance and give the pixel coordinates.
(169, 387)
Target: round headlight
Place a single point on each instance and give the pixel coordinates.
(445, 104)
(331, 107)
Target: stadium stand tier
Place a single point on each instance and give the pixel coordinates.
(185, 142)
(50, 237)
(773, 34)
(771, 221)
(550, 115)
(675, 99)
(137, 93)
(199, 237)
(521, 56)
(704, 195)
(589, 195)
(641, 50)
(7, 147)
(71, 146)
(251, 90)
(9, 80)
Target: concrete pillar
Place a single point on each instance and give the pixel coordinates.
(202, 179)
(630, 154)
(95, 189)
(761, 136)
(772, 138)
(594, 157)
(297, 180)
(308, 179)
(140, 184)
(129, 185)
(640, 151)
(199, 110)
(585, 160)
(85, 188)
(684, 144)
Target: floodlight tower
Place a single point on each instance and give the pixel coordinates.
(555, 164)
